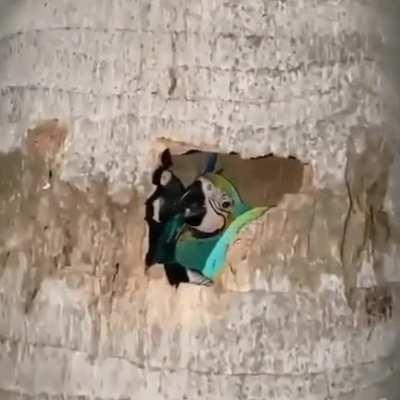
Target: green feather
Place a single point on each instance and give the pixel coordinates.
(193, 252)
(217, 258)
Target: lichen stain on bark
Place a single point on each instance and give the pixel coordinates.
(46, 139)
(367, 228)
(63, 232)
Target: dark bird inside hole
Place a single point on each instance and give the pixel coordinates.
(161, 205)
(171, 208)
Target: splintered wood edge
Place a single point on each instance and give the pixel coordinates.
(177, 147)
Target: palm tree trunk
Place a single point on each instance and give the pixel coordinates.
(91, 93)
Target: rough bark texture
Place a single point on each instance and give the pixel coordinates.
(91, 92)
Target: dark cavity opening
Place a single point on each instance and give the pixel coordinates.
(260, 181)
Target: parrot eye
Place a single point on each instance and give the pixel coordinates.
(226, 204)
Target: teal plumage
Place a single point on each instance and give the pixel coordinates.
(217, 257)
(164, 252)
(179, 243)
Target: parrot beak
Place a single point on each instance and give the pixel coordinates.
(193, 211)
(191, 204)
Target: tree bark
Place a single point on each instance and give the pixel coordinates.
(91, 92)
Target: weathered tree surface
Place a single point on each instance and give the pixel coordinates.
(91, 92)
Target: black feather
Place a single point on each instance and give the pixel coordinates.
(168, 196)
(176, 274)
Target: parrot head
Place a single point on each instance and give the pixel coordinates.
(210, 203)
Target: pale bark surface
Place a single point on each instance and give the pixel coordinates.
(310, 309)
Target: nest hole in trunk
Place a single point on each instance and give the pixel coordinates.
(261, 181)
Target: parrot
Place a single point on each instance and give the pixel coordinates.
(195, 226)
(205, 211)
(161, 211)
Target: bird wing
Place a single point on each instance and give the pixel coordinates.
(165, 247)
(192, 252)
(217, 258)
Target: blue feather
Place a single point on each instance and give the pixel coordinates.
(211, 163)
